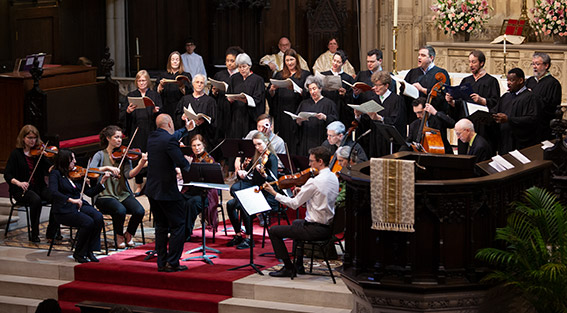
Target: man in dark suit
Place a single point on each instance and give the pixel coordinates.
(166, 202)
(475, 144)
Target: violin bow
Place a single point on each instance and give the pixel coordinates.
(36, 164)
(217, 146)
(289, 159)
(127, 148)
(85, 179)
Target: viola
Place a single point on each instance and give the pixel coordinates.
(288, 181)
(79, 173)
(49, 151)
(205, 158)
(131, 154)
(334, 165)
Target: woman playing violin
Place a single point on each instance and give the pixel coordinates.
(70, 209)
(262, 167)
(117, 199)
(32, 191)
(192, 195)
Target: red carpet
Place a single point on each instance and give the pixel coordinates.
(125, 278)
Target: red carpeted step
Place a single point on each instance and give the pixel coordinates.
(78, 291)
(68, 307)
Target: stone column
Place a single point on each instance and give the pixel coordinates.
(116, 34)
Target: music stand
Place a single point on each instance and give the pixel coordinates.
(253, 203)
(232, 148)
(392, 135)
(204, 176)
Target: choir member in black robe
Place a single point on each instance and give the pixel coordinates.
(423, 78)
(243, 116)
(171, 93)
(393, 114)
(486, 92)
(374, 64)
(223, 106)
(143, 119)
(336, 133)
(201, 103)
(313, 131)
(281, 99)
(475, 144)
(516, 113)
(548, 88)
(343, 96)
(436, 120)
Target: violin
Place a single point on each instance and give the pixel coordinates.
(131, 154)
(263, 160)
(79, 172)
(334, 165)
(49, 151)
(288, 181)
(430, 139)
(205, 158)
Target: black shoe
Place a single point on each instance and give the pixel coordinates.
(236, 240)
(170, 269)
(35, 239)
(245, 244)
(300, 269)
(283, 272)
(80, 258)
(92, 257)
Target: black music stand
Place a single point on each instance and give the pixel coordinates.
(251, 208)
(392, 135)
(204, 176)
(233, 148)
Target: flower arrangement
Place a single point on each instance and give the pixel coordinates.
(460, 16)
(549, 17)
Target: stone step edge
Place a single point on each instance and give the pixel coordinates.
(47, 282)
(52, 269)
(251, 304)
(19, 301)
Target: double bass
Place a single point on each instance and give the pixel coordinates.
(429, 139)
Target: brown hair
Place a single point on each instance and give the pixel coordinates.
(285, 72)
(200, 138)
(169, 68)
(24, 132)
(321, 153)
(106, 132)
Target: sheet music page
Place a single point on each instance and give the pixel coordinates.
(137, 101)
(473, 107)
(253, 202)
(520, 157)
(502, 162)
(499, 168)
(250, 101)
(546, 144)
(409, 89)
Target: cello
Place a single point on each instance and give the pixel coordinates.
(429, 139)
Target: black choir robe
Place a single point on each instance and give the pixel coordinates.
(521, 129)
(171, 94)
(144, 119)
(427, 80)
(345, 113)
(366, 77)
(206, 105)
(440, 121)
(393, 114)
(222, 107)
(548, 89)
(358, 150)
(287, 100)
(314, 131)
(487, 87)
(243, 117)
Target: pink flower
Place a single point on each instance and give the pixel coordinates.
(464, 7)
(447, 22)
(462, 28)
(453, 32)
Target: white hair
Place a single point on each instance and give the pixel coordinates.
(199, 75)
(243, 58)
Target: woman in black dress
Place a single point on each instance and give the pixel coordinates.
(281, 99)
(313, 131)
(343, 96)
(143, 119)
(200, 103)
(243, 114)
(171, 93)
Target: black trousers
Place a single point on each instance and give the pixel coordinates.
(118, 211)
(170, 218)
(298, 230)
(89, 221)
(34, 197)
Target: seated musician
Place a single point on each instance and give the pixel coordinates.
(192, 195)
(437, 120)
(261, 168)
(475, 144)
(336, 134)
(70, 209)
(117, 199)
(319, 195)
(32, 191)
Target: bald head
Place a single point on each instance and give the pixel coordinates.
(284, 44)
(464, 129)
(164, 121)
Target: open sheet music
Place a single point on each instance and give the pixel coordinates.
(141, 102)
(253, 202)
(242, 97)
(360, 85)
(330, 82)
(220, 85)
(178, 79)
(190, 113)
(409, 89)
(286, 83)
(304, 115)
(368, 107)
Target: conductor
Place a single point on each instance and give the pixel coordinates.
(166, 202)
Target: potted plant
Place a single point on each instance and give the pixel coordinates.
(534, 261)
(459, 18)
(549, 19)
